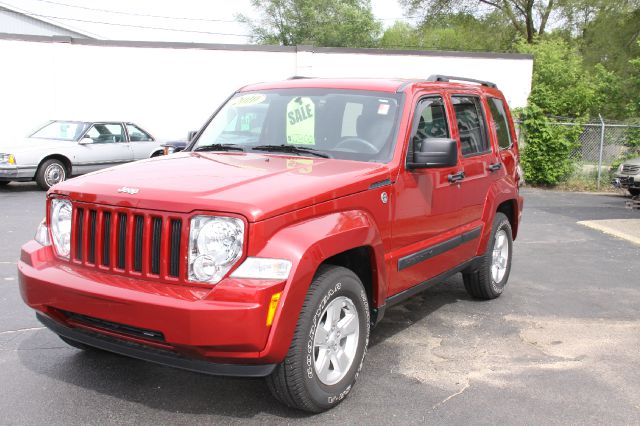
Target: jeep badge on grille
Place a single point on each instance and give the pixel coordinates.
(131, 191)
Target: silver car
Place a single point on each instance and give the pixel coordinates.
(61, 149)
(628, 176)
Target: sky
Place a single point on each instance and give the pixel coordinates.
(212, 21)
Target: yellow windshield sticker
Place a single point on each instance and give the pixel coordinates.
(302, 164)
(246, 100)
(301, 121)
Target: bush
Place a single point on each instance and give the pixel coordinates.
(545, 156)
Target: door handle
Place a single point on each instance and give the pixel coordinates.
(495, 167)
(456, 177)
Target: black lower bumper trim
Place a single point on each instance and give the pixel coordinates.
(158, 356)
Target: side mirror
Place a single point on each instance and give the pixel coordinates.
(435, 152)
(191, 135)
(85, 141)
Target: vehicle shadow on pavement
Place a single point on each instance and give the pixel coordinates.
(20, 187)
(176, 391)
(134, 382)
(399, 317)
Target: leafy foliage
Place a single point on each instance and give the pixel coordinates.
(460, 31)
(562, 86)
(546, 154)
(335, 23)
(529, 18)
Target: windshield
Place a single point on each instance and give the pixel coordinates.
(61, 130)
(346, 124)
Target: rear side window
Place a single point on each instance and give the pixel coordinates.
(471, 125)
(500, 122)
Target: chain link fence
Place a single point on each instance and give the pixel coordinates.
(600, 146)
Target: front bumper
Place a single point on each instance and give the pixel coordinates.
(621, 181)
(159, 356)
(11, 172)
(190, 325)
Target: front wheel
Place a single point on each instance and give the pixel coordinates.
(634, 192)
(50, 173)
(4, 183)
(329, 344)
(489, 280)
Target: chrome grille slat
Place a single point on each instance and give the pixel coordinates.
(630, 169)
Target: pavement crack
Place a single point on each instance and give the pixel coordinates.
(20, 330)
(444, 401)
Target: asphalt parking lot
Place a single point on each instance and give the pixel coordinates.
(561, 346)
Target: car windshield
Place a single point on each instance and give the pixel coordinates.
(61, 130)
(346, 124)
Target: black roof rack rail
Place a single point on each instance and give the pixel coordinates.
(297, 77)
(446, 78)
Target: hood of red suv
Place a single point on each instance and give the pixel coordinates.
(256, 186)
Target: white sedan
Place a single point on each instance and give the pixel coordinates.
(61, 149)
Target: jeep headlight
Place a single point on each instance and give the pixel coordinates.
(215, 245)
(8, 159)
(61, 226)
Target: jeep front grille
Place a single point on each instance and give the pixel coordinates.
(128, 241)
(630, 169)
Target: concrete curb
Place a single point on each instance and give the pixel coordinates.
(626, 229)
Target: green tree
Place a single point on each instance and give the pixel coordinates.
(562, 86)
(528, 17)
(400, 35)
(460, 31)
(336, 23)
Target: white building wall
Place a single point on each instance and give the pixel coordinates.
(170, 91)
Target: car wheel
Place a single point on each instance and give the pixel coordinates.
(490, 278)
(634, 192)
(77, 345)
(50, 173)
(329, 344)
(4, 182)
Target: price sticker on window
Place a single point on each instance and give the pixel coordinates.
(301, 121)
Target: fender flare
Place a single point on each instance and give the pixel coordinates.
(308, 244)
(499, 192)
(56, 156)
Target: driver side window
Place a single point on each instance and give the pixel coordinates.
(106, 133)
(430, 121)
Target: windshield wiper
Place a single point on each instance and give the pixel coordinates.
(290, 149)
(219, 147)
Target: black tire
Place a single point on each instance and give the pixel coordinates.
(78, 345)
(4, 183)
(634, 191)
(295, 381)
(479, 282)
(45, 182)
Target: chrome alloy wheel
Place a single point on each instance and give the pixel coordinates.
(335, 341)
(54, 173)
(500, 256)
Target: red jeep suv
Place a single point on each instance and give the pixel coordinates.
(294, 218)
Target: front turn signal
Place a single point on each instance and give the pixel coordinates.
(273, 305)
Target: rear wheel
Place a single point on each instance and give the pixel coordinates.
(634, 192)
(4, 183)
(50, 173)
(489, 280)
(329, 345)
